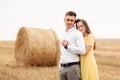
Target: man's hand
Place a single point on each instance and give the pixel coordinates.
(64, 42)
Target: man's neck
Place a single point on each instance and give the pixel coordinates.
(68, 28)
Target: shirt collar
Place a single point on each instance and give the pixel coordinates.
(71, 29)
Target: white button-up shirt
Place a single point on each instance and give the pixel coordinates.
(76, 46)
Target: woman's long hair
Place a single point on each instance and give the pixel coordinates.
(87, 28)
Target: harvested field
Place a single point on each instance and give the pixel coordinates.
(107, 55)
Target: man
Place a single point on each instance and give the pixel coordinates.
(72, 44)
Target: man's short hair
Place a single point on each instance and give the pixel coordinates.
(70, 13)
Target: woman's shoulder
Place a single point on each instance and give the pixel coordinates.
(91, 35)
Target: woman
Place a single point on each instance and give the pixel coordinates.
(89, 69)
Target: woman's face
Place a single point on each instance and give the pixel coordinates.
(81, 27)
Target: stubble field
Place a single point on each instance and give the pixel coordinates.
(107, 55)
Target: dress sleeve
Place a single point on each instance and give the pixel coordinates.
(90, 40)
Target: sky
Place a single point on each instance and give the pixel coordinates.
(102, 16)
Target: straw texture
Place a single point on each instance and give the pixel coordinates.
(37, 46)
(29, 73)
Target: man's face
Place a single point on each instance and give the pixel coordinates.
(69, 21)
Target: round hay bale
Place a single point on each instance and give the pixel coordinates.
(37, 46)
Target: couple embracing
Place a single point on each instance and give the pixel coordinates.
(77, 61)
